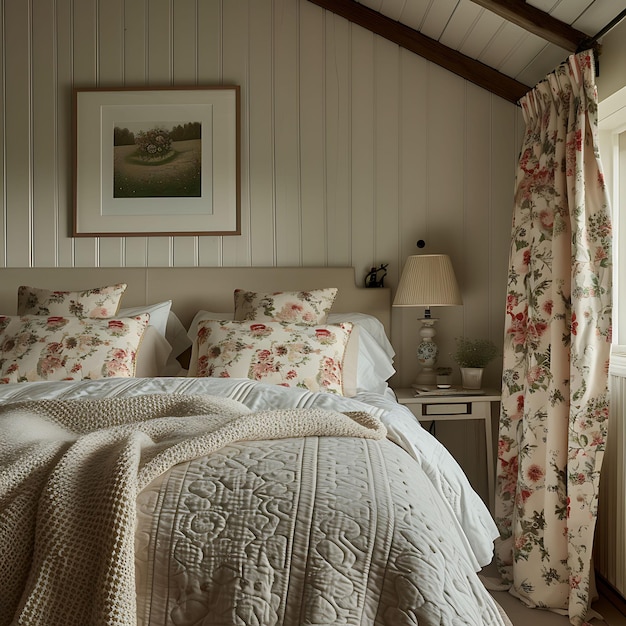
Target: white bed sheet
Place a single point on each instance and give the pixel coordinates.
(475, 524)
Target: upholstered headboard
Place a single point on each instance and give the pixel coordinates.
(194, 288)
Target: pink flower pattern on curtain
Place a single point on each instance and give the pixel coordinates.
(554, 410)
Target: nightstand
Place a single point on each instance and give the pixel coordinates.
(433, 408)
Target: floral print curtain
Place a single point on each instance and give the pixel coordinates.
(554, 408)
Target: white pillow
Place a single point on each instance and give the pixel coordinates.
(369, 323)
(158, 314)
(170, 327)
(375, 353)
(375, 365)
(176, 334)
(152, 355)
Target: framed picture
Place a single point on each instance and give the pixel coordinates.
(155, 162)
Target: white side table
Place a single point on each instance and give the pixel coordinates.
(433, 408)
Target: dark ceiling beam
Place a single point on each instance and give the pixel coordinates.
(430, 49)
(537, 22)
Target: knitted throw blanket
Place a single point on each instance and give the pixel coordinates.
(71, 471)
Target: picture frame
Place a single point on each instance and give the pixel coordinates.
(157, 161)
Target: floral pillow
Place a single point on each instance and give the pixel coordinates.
(292, 355)
(99, 303)
(294, 307)
(34, 347)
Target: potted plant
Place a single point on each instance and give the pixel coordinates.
(472, 356)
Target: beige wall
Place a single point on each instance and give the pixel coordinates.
(612, 76)
(352, 148)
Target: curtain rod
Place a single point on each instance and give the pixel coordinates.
(592, 42)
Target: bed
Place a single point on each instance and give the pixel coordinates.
(247, 486)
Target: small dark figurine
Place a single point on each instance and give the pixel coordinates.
(372, 279)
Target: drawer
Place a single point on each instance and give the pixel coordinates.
(458, 408)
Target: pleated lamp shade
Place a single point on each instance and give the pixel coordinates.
(428, 280)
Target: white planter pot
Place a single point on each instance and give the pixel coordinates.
(472, 377)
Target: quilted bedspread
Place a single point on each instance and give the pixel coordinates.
(301, 527)
(303, 531)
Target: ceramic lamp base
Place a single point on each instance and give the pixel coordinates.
(426, 376)
(427, 353)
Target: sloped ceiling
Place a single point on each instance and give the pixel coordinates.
(505, 46)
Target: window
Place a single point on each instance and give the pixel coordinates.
(612, 139)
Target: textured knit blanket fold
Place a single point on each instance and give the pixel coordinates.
(71, 472)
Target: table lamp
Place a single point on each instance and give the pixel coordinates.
(427, 280)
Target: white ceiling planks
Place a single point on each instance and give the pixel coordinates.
(480, 34)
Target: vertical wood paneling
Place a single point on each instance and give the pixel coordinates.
(184, 42)
(3, 205)
(446, 163)
(286, 136)
(236, 70)
(110, 48)
(334, 167)
(184, 45)
(111, 73)
(185, 251)
(338, 141)
(362, 174)
(446, 182)
(261, 135)
(386, 147)
(476, 211)
(85, 74)
(160, 251)
(414, 155)
(209, 54)
(135, 75)
(507, 128)
(134, 44)
(313, 132)
(159, 42)
(413, 196)
(440, 221)
(160, 72)
(62, 27)
(352, 149)
(209, 41)
(45, 206)
(18, 133)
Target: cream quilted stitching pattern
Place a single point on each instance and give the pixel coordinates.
(305, 531)
(81, 481)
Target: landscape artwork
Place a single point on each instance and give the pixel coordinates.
(152, 162)
(157, 160)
